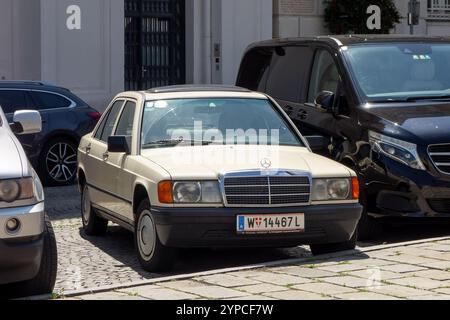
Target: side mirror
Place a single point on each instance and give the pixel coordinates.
(119, 144)
(317, 143)
(324, 101)
(26, 122)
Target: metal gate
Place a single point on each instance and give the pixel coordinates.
(154, 43)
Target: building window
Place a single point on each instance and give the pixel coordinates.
(439, 9)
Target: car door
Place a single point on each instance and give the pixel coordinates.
(116, 163)
(98, 172)
(12, 100)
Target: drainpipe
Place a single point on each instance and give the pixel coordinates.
(206, 15)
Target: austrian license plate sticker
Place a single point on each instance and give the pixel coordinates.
(279, 223)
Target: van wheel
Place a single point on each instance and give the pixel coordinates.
(318, 249)
(93, 225)
(58, 162)
(368, 227)
(152, 254)
(44, 281)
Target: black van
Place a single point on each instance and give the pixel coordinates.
(379, 104)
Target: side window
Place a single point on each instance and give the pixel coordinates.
(106, 127)
(288, 72)
(45, 100)
(254, 69)
(13, 100)
(324, 76)
(125, 124)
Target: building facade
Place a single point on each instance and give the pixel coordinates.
(98, 48)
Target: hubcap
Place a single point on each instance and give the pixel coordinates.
(61, 162)
(146, 236)
(86, 206)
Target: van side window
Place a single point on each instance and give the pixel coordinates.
(288, 72)
(324, 76)
(254, 69)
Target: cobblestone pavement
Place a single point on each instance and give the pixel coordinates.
(417, 272)
(91, 262)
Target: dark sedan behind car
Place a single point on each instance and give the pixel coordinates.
(66, 118)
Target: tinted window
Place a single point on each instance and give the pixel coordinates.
(13, 100)
(288, 72)
(255, 68)
(125, 124)
(107, 124)
(324, 76)
(46, 100)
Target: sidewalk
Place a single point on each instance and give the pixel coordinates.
(416, 270)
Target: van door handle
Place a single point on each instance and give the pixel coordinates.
(105, 156)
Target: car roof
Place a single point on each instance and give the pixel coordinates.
(347, 40)
(194, 91)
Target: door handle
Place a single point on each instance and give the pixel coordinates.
(105, 156)
(88, 148)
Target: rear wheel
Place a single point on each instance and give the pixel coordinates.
(93, 225)
(58, 163)
(152, 254)
(319, 249)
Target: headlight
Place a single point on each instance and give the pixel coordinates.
(189, 192)
(13, 190)
(402, 151)
(335, 189)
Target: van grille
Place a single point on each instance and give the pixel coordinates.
(440, 155)
(267, 190)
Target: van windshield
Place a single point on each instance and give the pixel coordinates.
(187, 122)
(401, 71)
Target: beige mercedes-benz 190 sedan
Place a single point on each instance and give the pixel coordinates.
(211, 166)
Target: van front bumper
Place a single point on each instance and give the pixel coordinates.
(20, 252)
(217, 227)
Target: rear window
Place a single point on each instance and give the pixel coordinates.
(45, 100)
(254, 69)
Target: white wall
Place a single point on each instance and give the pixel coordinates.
(20, 39)
(233, 24)
(89, 61)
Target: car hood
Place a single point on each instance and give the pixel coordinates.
(427, 122)
(208, 162)
(11, 159)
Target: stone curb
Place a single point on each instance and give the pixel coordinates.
(75, 293)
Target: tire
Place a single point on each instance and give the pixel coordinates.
(319, 249)
(58, 162)
(152, 254)
(93, 225)
(368, 227)
(44, 281)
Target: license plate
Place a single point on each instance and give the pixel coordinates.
(279, 223)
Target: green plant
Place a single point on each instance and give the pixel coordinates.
(350, 17)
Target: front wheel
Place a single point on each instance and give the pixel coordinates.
(152, 254)
(93, 225)
(319, 249)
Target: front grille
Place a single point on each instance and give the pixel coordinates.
(440, 205)
(267, 190)
(440, 155)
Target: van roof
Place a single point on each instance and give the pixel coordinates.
(345, 40)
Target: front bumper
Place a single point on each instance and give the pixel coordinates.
(216, 227)
(20, 252)
(396, 190)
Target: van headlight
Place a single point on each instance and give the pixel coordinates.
(401, 151)
(193, 192)
(335, 189)
(16, 189)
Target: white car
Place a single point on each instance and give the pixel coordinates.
(211, 167)
(28, 254)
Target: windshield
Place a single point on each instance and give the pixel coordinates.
(181, 122)
(401, 71)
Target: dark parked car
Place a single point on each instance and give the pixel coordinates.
(379, 104)
(65, 119)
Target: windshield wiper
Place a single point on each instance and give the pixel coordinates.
(174, 143)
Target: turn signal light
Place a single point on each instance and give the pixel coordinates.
(165, 192)
(355, 188)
